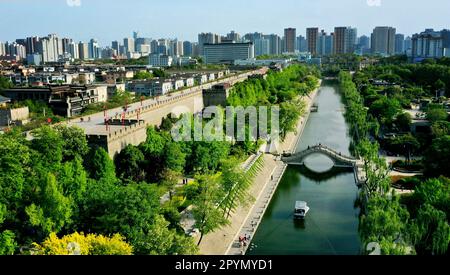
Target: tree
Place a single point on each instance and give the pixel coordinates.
(73, 179)
(436, 114)
(407, 144)
(102, 167)
(403, 122)
(236, 183)
(440, 129)
(174, 157)
(81, 244)
(437, 157)
(208, 217)
(170, 179)
(431, 231)
(129, 164)
(160, 240)
(159, 73)
(143, 75)
(377, 179)
(385, 222)
(52, 211)
(75, 143)
(49, 143)
(7, 243)
(5, 83)
(434, 192)
(14, 161)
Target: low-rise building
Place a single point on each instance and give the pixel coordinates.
(160, 60)
(14, 116)
(177, 84)
(64, 100)
(189, 81)
(201, 78)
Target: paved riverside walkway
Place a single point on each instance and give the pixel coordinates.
(225, 241)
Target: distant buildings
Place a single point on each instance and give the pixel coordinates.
(302, 45)
(262, 47)
(344, 40)
(383, 41)
(207, 38)
(399, 44)
(227, 53)
(312, 35)
(431, 44)
(325, 44)
(289, 40)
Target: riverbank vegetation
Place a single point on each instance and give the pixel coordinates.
(55, 190)
(416, 223)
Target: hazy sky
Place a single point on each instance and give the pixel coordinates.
(109, 20)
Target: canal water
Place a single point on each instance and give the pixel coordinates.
(331, 225)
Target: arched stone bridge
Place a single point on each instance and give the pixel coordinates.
(339, 160)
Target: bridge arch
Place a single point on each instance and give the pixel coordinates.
(338, 159)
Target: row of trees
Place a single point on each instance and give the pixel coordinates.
(400, 225)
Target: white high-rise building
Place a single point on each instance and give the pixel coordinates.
(73, 50)
(128, 43)
(2, 49)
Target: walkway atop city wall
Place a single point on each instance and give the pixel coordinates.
(225, 240)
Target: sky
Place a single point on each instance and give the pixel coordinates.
(108, 20)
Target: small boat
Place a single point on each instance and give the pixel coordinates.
(301, 208)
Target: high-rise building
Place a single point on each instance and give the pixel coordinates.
(93, 50)
(344, 40)
(65, 44)
(290, 35)
(251, 37)
(302, 44)
(207, 38)
(312, 35)
(154, 46)
(83, 50)
(262, 47)
(187, 48)
(2, 49)
(115, 45)
(351, 39)
(141, 41)
(399, 44)
(339, 45)
(227, 53)
(324, 44)
(383, 41)
(274, 44)
(431, 44)
(31, 44)
(50, 48)
(363, 46)
(176, 48)
(73, 50)
(128, 43)
(408, 45)
(233, 36)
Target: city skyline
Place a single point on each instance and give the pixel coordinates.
(113, 26)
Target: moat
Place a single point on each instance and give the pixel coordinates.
(331, 225)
